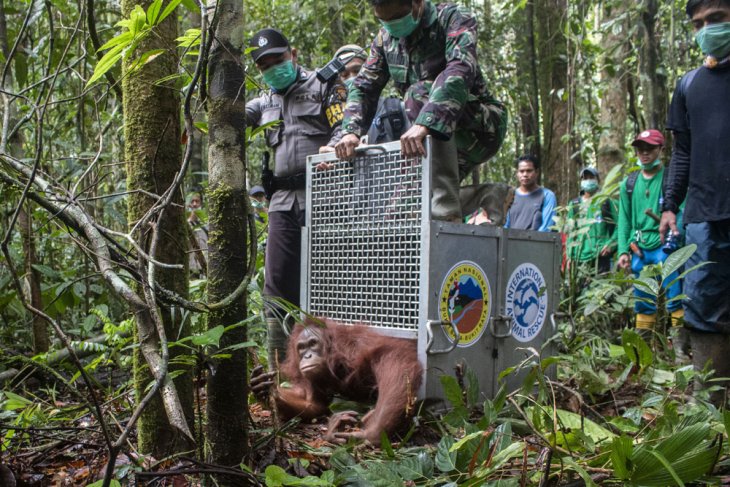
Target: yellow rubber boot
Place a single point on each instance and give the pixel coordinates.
(677, 317)
(645, 322)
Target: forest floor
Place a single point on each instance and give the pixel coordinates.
(70, 450)
(50, 439)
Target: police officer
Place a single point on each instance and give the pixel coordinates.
(308, 114)
(430, 53)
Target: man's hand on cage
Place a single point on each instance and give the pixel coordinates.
(411, 143)
(324, 166)
(345, 148)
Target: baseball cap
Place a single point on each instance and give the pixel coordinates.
(268, 41)
(651, 136)
(256, 190)
(349, 52)
(589, 170)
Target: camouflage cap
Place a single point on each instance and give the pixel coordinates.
(349, 52)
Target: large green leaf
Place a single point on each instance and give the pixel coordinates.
(621, 450)
(677, 259)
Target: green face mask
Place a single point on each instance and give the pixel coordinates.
(589, 185)
(650, 165)
(714, 40)
(402, 27)
(348, 83)
(280, 76)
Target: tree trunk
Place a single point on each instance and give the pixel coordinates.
(153, 155)
(529, 110)
(33, 280)
(614, 110)
(227, 393)
(559, 170)
(653, 79)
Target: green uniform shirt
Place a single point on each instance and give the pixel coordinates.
(634, 225)
(594, 230)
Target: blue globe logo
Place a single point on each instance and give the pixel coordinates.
(526, 303)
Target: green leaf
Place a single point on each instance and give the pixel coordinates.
(191, 38)
(415, 467)
(621, 449)
(677, 259)
(99, 483)
(580, 470)
(210, 337)
(445, 457)
(45, 270)
(275, 476)
(153, 11)
(513, 450)
(668, 467)
(254, 132)
(573, 421)
(463, 441)
(191, 5)
(452, 391)
(137, 19)
(636, 349)
(145, 58)
(15, 402)
(168, 10)
(106, 63)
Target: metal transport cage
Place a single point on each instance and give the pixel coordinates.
(472, 296)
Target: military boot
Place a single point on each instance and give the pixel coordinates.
(713, 348)
(494, 198)
(445, 204)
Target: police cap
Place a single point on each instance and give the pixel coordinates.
(268, 41)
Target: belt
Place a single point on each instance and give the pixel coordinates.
(290, 183)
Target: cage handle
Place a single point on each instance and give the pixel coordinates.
(284, 322)
(500, 319)
(429, 334)
(367, 148)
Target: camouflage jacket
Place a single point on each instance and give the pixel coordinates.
(440, 53)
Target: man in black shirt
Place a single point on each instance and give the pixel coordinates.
(699, 118)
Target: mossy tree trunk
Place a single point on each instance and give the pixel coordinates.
(153, 154)
(227, 405)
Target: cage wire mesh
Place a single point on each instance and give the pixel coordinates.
(365, 240)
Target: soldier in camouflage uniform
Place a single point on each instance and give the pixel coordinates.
(430, 53)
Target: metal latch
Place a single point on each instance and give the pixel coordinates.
(429, 335)
(498, 322)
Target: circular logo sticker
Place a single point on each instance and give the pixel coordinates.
(263, 41)
(526, 302)
(465, 301)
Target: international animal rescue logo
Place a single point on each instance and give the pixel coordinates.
(466, 301)
(527, 302)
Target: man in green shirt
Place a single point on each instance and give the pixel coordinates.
(592, 241)
(639, 242)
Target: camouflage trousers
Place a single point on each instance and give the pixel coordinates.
(480, 129)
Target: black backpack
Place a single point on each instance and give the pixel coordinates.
(389, 123)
